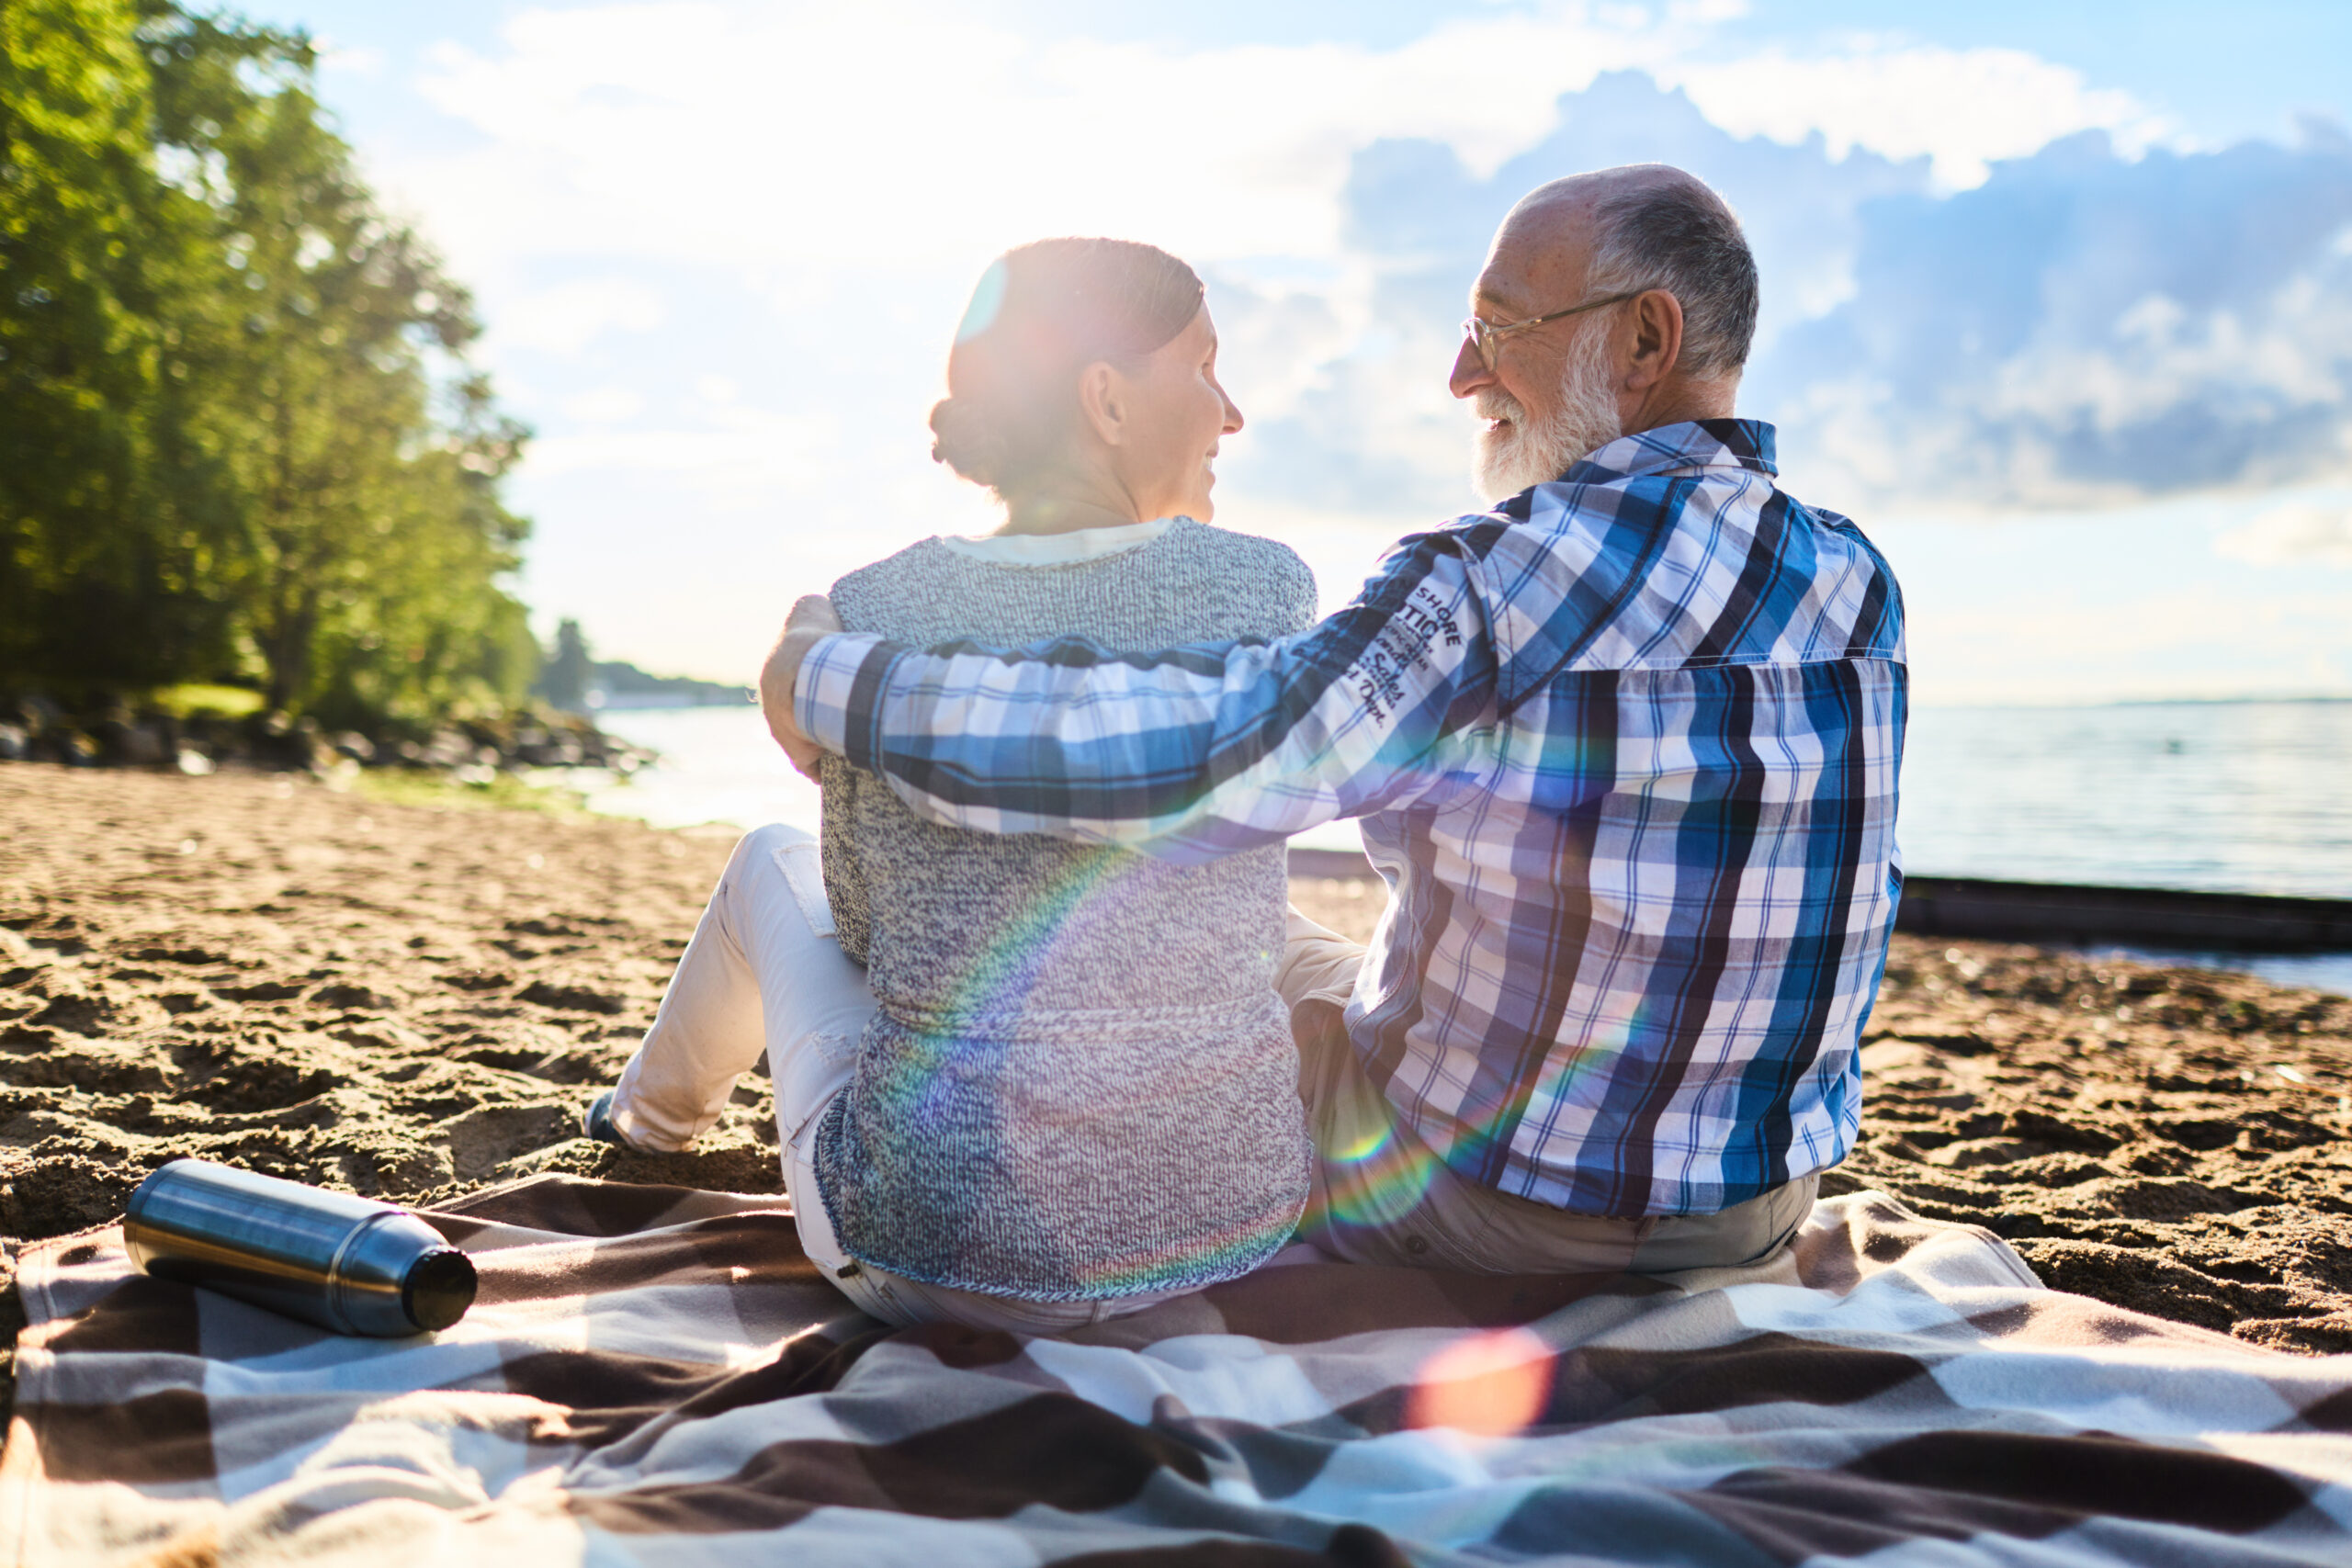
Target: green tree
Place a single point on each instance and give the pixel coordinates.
(85, 238)
(257, 451)
(563, 681)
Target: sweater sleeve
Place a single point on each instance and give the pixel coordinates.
(1294, 593)
(846, 891)
(845, 885)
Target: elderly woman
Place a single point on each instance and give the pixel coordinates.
(1020, 1083)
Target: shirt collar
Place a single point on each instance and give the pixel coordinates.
(1695, 444)
(1057, 549)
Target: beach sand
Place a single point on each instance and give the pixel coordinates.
(411, 1002)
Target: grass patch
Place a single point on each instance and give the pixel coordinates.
(500, 792)
(215, 702)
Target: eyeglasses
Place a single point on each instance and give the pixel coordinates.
(1485, 336)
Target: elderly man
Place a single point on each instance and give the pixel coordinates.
(1624, 749)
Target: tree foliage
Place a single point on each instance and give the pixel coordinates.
(239, 438)
(565, 677)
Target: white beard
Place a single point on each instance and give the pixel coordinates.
(1582, 421)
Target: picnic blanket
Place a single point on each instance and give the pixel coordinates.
(653, 1375)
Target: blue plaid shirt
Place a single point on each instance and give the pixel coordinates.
(1625, 751)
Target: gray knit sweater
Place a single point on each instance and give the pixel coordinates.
(1079, 1083)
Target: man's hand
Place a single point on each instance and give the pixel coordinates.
(811, 618)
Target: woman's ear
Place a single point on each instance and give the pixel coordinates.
(1103, 402)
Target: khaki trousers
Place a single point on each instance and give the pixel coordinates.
(1381, 1196)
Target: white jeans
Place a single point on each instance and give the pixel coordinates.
(764, 973)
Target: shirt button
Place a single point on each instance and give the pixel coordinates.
(1416, 1246)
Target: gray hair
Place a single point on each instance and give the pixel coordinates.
(1681, 236)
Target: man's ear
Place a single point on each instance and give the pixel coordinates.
(1658, 340)
(1103, 402)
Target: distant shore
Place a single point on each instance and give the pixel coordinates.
(413, 1002)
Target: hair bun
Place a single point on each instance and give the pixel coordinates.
(967, 440)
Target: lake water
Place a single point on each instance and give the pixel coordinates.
(2251, 797)
(721, 765)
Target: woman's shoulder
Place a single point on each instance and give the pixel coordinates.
(1270, 569)
(884, 581)
(1209, 536)
(923, 554)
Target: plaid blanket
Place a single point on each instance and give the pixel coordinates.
(655, 1375)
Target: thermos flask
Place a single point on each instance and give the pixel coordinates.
(347, 1264)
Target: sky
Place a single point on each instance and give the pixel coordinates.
(2057, 300)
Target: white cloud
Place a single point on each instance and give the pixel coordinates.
(2291, 536)
(2066, 644)
(745, 134)
(753, 133)
(355, 60)
(1961, 345)
(729, 135)
(605, 405)
(742, 459)
(2087, 329)
(566, 318)
(1963, 109)
(1966, 301)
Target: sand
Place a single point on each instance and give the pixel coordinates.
(411, 1002)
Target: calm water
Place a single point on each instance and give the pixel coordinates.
(2219, 796)
(721, 765)
(2252, 797)
(2226, 797)
(717, 765)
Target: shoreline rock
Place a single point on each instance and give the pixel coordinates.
(114, 734)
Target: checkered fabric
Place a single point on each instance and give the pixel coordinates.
(653, 1375)
(1625, 751)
